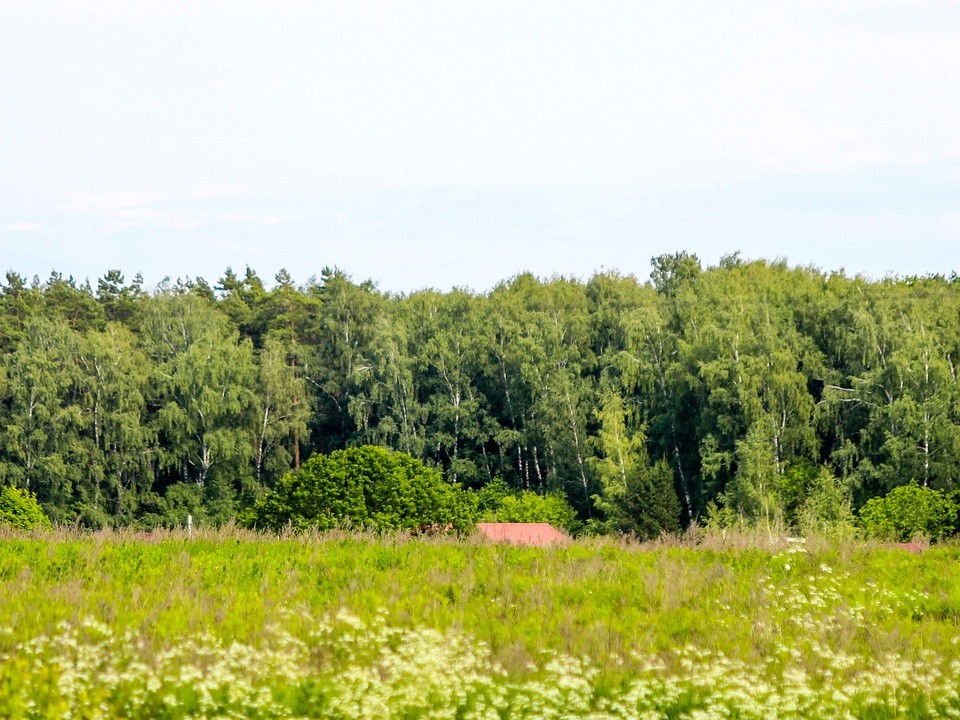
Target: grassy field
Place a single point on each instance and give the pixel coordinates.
(342, 626)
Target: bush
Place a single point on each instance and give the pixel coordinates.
(363, 487)
(19, 509)
(909, 511)
(826, 509)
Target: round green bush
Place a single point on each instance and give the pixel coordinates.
(907, 512)
(19, 509)
(365, 488)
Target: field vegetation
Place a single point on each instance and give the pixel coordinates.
(338, 625)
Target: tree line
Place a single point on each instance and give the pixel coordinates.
(747, 390)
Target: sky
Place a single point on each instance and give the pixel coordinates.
(441, 144)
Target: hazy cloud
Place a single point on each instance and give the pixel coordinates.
(24, 227)
(184, 134)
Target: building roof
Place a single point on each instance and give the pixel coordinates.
(522, 533)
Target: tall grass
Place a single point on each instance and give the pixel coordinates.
(754, 617)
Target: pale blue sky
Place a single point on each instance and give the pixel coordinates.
(440, 144)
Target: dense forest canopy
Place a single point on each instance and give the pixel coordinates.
(749, 388)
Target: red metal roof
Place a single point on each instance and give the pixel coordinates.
(522, 533)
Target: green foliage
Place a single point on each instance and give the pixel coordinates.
(638, 498)
(497, 502)
(126, 407)
(649, 506)
(205, 376)
(907, 512)
(826, 508)
(281, 409)
(754, 491)
(794, 485)
(804, 499)
(19, 509)
(488, 497)
(363, 487)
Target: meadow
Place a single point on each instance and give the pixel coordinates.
(233, 624)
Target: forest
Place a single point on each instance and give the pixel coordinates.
(746, 391)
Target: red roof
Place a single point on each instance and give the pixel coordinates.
(913, 547)
(522, 533)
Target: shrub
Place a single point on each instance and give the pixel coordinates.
(19, 509)
(826, 509)
(909, 511)
(364, 487)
